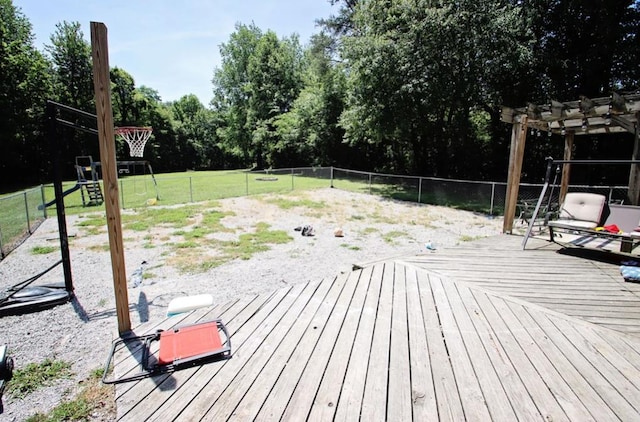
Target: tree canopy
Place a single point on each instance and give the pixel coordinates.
(385, 85)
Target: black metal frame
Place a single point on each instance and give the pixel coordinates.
(550, 164)
(148, 369)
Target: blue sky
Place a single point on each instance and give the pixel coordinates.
(172, 46)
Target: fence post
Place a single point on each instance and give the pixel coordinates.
(369, 183)
(610, 193)
(246, 182)
(493, 192)
(291, 178)
(190, 188)
(122, 193)
(26, 211)
(1, 245)
(44, 209)
(331, 176)
(419, 190)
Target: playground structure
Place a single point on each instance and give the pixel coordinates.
(88, 174)
(22, 297)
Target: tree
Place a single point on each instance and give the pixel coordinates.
(122, 97)
(73, 86)
(586, 48)
(196, 133)
(24, 87)
(417, 72)
(274, 83)
(310, 131)
(231, 95)
(259, 79)
(72, 64)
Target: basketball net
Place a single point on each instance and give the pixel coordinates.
(136, 137)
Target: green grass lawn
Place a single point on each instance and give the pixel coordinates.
(179, 188)
(19, 212)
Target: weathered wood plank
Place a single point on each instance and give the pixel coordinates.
(445, 382)
(374, 401)
(511, 353)
(353, 385)
(623, 377)
(243, 359)
(174, 398)
(226, 405)
(306, 390)
(278, 399)
(554, 382)
(252, 401)
(544, 333)
(471, 394)
(328, 395)
(399, 396)
(423, 394)
(576, 363)
(506, 397)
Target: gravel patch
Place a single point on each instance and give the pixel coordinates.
(81, 332)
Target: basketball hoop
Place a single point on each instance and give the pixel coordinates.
(136, 137)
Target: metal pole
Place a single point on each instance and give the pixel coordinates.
(493, 193)
(292, 178)
(369, 183)
(332, 176)
(191, 188)
(419, 190)
(246, 182)
(26, 210)
(57, 185)
(44, 209)
(1, 246)
(122, 192)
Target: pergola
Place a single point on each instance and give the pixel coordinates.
(618, 113)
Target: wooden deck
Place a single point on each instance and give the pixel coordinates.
(484, 332)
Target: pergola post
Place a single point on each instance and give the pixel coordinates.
(106, 139)
(566, 168)
(633, 192)
(516, 156)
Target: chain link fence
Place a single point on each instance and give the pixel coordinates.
(21, 213)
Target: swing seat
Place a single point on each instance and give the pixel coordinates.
(580, 211)
(179, 347)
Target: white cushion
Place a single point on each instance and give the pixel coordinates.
(573, 224)
(585, 207)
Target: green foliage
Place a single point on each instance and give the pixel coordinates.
(93, 396)
(36, 375)
(25, 83)
(388, 85)
(288, 203)
(43, 250)
(418, 69)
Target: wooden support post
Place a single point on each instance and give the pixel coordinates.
(633, 192)
(106, 138)
(516, 155)
(566, 168)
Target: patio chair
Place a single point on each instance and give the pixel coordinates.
(579, 212)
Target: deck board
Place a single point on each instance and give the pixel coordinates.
(505, 335)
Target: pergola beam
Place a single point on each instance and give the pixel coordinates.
(618, 113)
(613, 114)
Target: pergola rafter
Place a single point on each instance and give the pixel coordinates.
(614, 114)
(617, 113)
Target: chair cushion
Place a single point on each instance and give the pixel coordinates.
(573, 224)
(586, 207)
